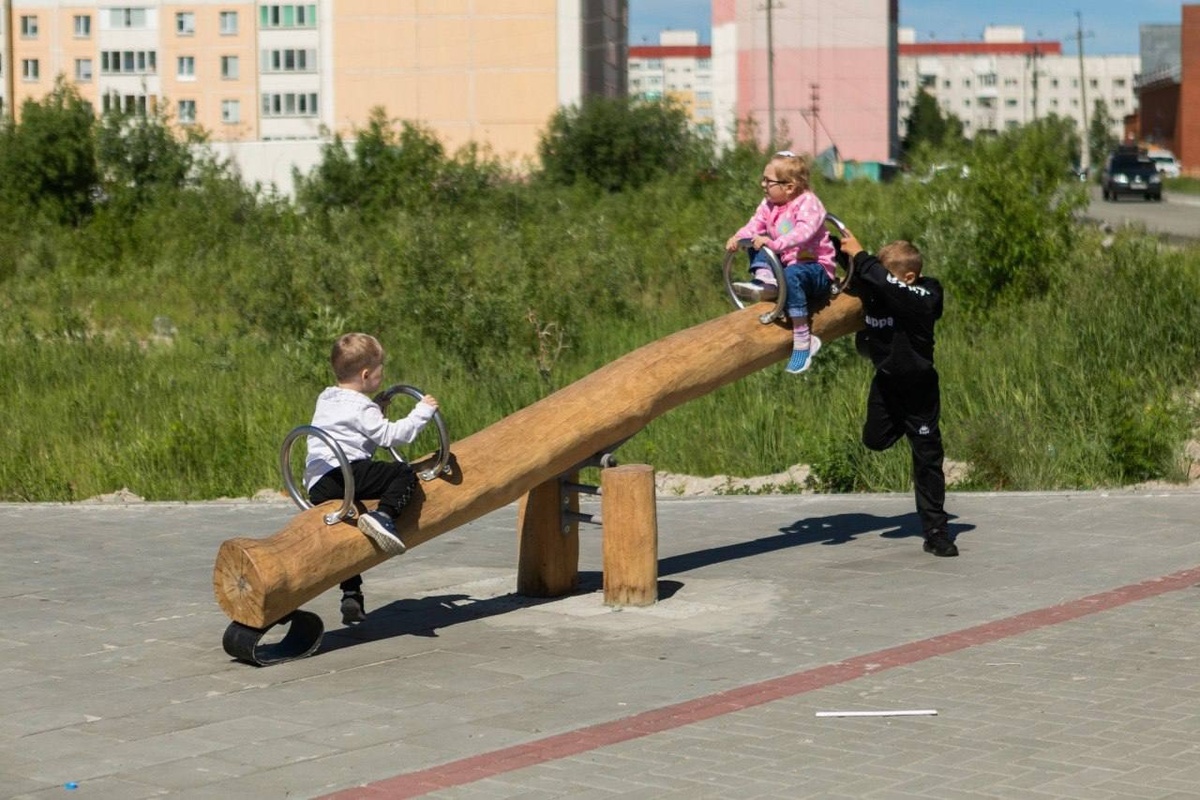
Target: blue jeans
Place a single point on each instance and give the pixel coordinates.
(807, 281)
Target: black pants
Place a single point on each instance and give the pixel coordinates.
(911, 406)
(389, 482)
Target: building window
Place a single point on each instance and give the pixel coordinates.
(229, 67)
(1119, 102)
(30, 69)
(1094, 83)
(928, 81)
(83, 26)
(988, 80)
(1010, 82)
(904, 83)
(231, 111)
(290, 15)
(1010, 103)
(1118, 83)
(186, 111)
(29, 27)
(126, 104)
(128, 62)
(229, 23)
(127, 17)
(290, 104)
(289, 60)
(83, 70)
(966, 83)
(185, 68)
(185, 23)
(1054, 83)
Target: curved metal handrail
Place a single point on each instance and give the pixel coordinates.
(347, 510)
(441, 459)
(840, 286)
(744, 245)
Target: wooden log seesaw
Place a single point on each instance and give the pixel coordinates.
(261, 583)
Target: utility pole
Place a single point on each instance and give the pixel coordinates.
(816, 113)
(10, 83)
(1087, 156)
(770, 77)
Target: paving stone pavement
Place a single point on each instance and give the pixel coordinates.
(1061, 653)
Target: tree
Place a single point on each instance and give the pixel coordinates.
(392, 164)
(928, 127)
(48, 159)
(140, 156)
(1101, 142)
(616, 143)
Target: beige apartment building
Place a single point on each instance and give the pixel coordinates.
(253, 73)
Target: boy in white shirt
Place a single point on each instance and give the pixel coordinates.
(357, 423)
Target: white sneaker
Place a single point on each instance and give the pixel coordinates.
(755, 291)
(379, 528)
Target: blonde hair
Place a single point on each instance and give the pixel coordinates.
(354, 352)
(792, 168)
(901, 256)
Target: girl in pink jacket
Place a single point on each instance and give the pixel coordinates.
(791, 221)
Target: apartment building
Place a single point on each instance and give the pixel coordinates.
(1004, 81)
(678, 68)
(491, 72)
(817, 74)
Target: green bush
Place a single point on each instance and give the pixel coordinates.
(169, 344)
(617, 143)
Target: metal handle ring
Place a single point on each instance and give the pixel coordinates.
(347, 510)
(841, 285)
(776, 268)
(440, 459)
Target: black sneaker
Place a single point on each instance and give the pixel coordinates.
(353, 610)
(380, 529)
(940, 544)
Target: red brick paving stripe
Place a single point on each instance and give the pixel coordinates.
(563, 745)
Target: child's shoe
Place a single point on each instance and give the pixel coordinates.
(380, 529)
(755, 291)
(802, 359)
(354, 610)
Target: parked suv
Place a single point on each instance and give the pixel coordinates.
(1130, 173)
(1168, 167)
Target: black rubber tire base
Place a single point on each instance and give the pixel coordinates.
(302, 639)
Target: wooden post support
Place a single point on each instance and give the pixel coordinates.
(547, 554)
(630, 521)
(258, 581)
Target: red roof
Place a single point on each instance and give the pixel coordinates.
(671, 51)
(981, 49)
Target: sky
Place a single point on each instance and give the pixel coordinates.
(1110, 27)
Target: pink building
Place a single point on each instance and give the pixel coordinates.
(827, 69)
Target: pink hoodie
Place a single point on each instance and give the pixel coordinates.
(797, 231)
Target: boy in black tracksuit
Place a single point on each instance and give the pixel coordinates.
(901, 307)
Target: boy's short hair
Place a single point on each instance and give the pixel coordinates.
(792, 168)
(354, 352)
(901, 256)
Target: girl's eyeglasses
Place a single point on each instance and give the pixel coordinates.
(768, 182)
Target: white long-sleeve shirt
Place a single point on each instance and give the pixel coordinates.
(358, 425)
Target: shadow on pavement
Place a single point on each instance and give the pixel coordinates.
(835, 529)
(425, 616)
